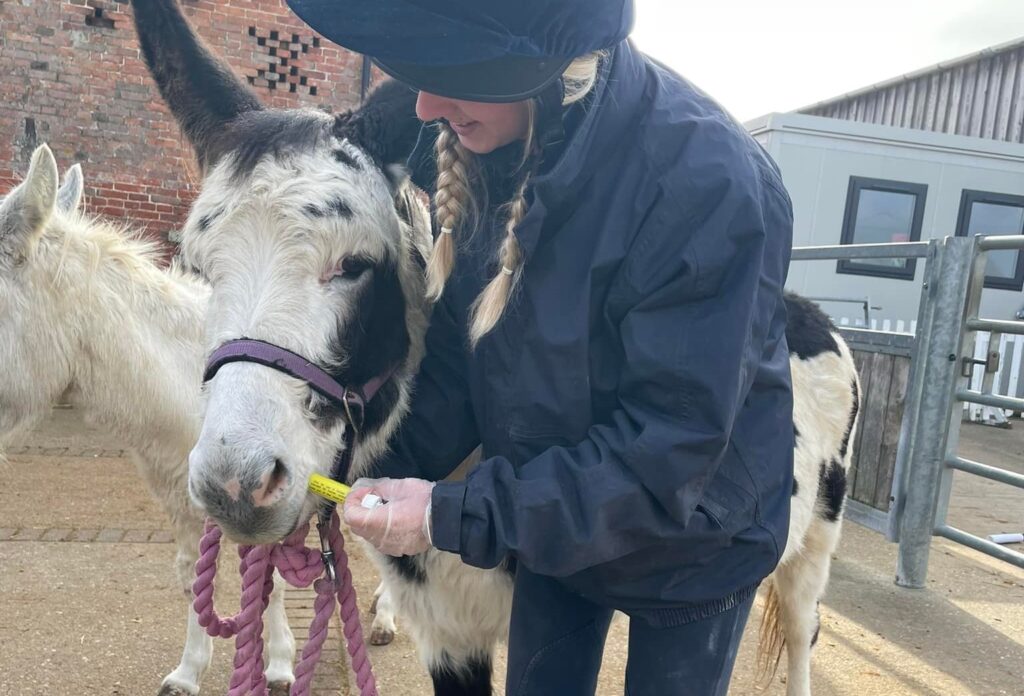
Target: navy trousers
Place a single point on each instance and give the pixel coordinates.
(556, 640)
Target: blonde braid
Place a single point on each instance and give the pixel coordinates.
(452, 201)
(491, 303)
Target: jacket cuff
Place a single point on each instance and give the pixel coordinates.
(446, 502)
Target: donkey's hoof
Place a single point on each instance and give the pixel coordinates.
(278, 688)
(174, 690)
(381, 636)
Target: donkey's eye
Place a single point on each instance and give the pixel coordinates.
(352, 267)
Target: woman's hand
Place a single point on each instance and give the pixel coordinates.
(398, 526)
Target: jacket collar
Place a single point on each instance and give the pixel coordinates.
(610, 113)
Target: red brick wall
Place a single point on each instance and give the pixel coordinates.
(72, 78)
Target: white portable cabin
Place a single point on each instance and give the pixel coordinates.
(854, 182)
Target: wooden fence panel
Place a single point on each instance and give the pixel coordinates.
(883, 394)
(894, 405)
(862, 360)
(873, 423)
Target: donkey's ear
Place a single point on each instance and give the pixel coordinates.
(397, 176)
(25, 212)
(201, 91)
(410, 204)
(385, 127)
(70, 194)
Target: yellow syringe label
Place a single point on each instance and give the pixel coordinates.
(328, 488)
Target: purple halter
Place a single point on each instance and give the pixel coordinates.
(351, 400)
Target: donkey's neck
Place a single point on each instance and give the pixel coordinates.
(139, 337)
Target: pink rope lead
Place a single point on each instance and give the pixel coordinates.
(300, 566)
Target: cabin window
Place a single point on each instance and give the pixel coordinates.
(983, 213)
(882, 212)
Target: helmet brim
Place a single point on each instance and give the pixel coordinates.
(501, 80)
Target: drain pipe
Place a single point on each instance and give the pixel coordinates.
(364, 84)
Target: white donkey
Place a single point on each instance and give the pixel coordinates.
(84, 306)
(311, 245)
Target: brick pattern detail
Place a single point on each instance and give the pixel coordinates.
(286, 63)
(73, 78)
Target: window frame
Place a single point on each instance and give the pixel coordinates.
(864, 267)
(967, 200)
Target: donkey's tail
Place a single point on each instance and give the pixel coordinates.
(771, 640)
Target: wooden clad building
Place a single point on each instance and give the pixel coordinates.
(980, 95)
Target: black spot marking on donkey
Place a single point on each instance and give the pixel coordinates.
(323, 413)
(348, 160)
(832, 489)
(473, 678)
(408, 568)
(377, 342)
(207, 220)
(334, 207)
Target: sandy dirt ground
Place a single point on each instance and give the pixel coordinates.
(89, 604)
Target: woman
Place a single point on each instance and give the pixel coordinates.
(610, 255)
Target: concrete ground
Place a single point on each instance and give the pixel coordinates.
(88, 603)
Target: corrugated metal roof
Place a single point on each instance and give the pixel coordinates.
(979, 95)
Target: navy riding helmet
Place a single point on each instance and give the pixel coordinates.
(477, 50)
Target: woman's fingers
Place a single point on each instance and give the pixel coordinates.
(397, 525)
(369, 523)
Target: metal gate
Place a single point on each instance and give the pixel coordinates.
(941, 362)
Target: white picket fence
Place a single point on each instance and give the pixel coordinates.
(1008, 380)
(899, 326)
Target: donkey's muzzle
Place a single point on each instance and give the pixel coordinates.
(249, 497)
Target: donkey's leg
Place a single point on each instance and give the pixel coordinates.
(195, 659)
(800, 585)
(165, 473)
(280, 643)
(198, 651)
(463, 675)
(376, 596)
(383, 630)
(455, 615)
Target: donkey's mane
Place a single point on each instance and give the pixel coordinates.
(389, 111)
(102, 241)
(256, 134)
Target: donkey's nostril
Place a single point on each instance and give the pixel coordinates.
(272, 485)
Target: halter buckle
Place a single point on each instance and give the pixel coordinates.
(355, 409)
(326, 554)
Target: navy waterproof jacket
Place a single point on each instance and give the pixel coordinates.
(634, 403)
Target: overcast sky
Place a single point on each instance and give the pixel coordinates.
(759, 57)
